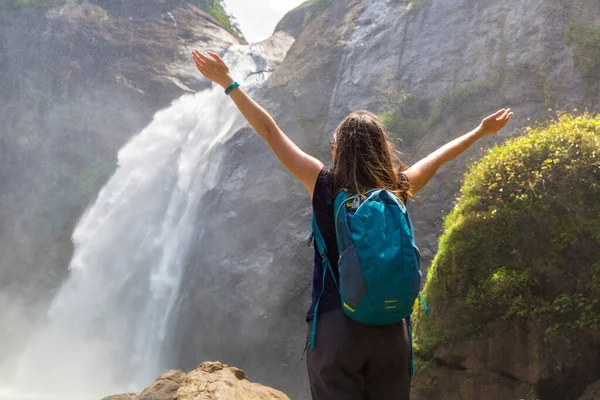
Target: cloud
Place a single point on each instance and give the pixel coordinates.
(258, 18)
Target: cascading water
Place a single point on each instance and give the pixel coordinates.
(106, 326)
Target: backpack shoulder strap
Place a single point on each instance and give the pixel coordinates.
(318, 238)
(322, 249)
(343, 235)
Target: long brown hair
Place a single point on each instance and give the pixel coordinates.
(365, 158)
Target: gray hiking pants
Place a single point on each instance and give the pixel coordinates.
(354, 361)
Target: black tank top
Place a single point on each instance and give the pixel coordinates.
(322, 202)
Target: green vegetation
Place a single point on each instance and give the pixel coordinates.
(406, 117)
(410, 117)
(316, 9)
(459, 99)
(524, 238)
(585, 40)
(100, 13)
(216, 9)
(413, 5)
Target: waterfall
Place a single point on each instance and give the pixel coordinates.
(108, 323)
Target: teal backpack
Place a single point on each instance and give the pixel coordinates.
(379, 264)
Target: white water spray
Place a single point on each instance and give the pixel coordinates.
(106, 326)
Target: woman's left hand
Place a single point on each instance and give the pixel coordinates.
(213, 68)
(492, 124)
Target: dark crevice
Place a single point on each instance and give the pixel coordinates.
(169, 379)
(569, 386)
(452, 366)
(461, 368)
(506, 375)
(441, 363)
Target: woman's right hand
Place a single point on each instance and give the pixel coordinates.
(301, 165)
(213, 68)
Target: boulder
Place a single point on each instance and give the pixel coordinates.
(164, 387)
(216, 381)
(210, 381)
(128, 396)
(592, 392)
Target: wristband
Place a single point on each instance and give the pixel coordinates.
(231, 88)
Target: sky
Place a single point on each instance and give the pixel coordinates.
(258, 18)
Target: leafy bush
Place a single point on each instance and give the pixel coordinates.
(524, 238)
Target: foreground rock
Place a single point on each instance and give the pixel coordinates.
(210, 381)
(592, 392)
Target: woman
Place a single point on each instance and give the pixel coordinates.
(351, 361)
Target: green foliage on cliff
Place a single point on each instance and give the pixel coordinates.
(410, 117)
(216, 9)
(405, 116)
(524, 238)
(316, 9)
(460, 98)
(586, 47)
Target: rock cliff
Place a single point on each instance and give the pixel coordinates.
(460, 59)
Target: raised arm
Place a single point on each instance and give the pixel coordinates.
(303, 166)
(421, 172)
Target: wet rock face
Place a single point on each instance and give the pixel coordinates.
(147, 55)
(210, 381)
